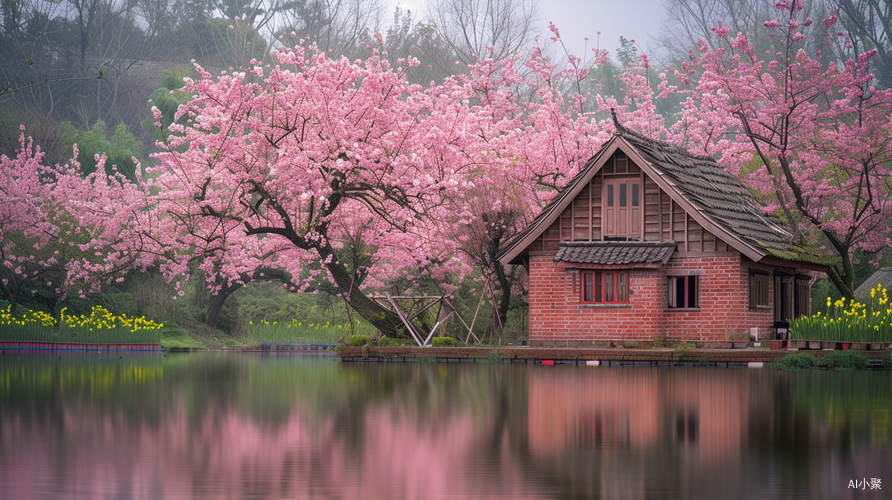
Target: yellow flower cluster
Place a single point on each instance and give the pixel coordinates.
(101, 319)
(28, 318)
(297, 324)
(849, 321)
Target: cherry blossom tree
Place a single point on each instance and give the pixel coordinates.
(311, 148)
(819, 129)
(62, 231)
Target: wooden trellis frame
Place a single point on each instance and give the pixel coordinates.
(425, 302)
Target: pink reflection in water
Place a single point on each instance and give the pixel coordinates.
(227, 455)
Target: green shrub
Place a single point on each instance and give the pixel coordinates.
(887, 361)
(683, 350)
(358, 340)
(397, 342)
(794, 362)
(443, 342)
(844, 360)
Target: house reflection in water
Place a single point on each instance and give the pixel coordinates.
(614, 431)
(229, 426)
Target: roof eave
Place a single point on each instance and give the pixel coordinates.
(809, 266)
(668, 186)
(631, 265)
(591, 168)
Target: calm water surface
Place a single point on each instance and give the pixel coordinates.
(241, 426)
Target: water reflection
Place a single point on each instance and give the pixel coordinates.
(241, 426)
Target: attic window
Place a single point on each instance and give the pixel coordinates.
(622, 208)
(620, 164)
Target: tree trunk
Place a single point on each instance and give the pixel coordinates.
(385, 320)
(215, 304)
(381, 318)
(505, 285)
(12, 295)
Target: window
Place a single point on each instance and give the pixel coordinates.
(683, 292)
(622, 208)
(803, 293)
(783, 298)
(759, 290)
(604, 287)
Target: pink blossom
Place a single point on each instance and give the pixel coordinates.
(554, 30)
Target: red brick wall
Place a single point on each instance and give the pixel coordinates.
(557, 315)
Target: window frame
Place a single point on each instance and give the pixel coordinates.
(599, 286)
(758, 287)
(621, 217)
(671, 296)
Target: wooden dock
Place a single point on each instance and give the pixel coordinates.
(70, 346)
(579, 356)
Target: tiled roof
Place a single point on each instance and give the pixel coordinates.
(718, 196)
(614, 252)
(882, 277)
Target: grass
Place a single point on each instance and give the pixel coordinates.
(297, 332)
(176, 337)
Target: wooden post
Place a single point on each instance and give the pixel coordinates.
(409, 326)
(671, 220)
(482, 297)
(591, 220)
(470, 331)
(660, 212)
(572, 220)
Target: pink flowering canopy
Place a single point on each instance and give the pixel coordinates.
(312, 152)
(819, 130)
(63, 231)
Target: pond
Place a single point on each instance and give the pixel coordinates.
(241, 426)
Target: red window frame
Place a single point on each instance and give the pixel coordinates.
(604, 287)
(684, 292)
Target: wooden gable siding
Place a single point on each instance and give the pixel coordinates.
(663, 219)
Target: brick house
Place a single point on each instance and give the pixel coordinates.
(650, 241)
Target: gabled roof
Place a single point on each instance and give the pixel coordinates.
(883, 276)
(713, 197)
(609, 253)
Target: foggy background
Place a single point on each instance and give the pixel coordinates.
(83, 70)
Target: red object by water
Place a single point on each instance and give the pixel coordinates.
(548, 362)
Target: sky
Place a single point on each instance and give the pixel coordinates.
(578, 19)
